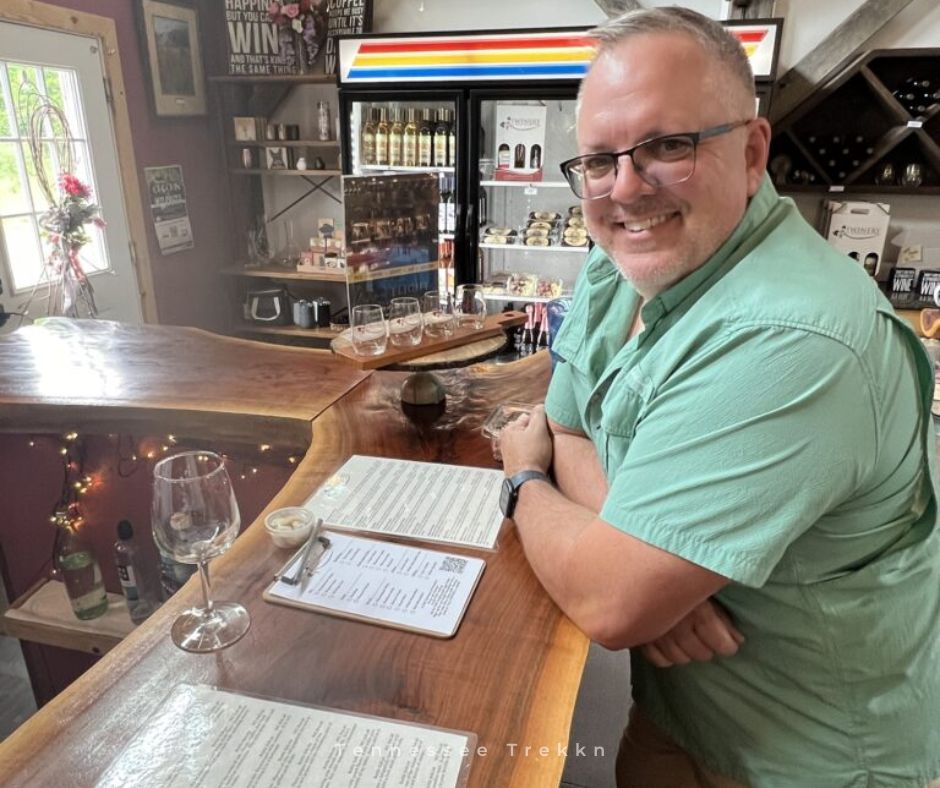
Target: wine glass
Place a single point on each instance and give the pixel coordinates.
(405, 326)
(195, 518)
(439, 320)
(369, 332)
(471, 306)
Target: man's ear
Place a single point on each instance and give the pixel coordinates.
(756, 153)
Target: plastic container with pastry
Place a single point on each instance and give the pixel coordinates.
(537, 242)
(575, 210)
(575, 232)
(537, 225)
(494, 288)
(522, 284)
(575, 221)
(579, 240)
(499, 240)
(548, 287)
(537, 232)
(507, 231)
(544, 216)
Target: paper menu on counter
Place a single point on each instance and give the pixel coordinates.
(385, 583)
(201, 736)
(451, 504)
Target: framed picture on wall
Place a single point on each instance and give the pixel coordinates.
(171, 43)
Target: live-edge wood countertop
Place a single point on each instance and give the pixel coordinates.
(511, 673)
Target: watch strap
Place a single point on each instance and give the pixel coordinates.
(515, 483)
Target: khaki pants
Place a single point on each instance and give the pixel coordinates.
(649, 758)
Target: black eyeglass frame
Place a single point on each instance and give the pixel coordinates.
(694, 136)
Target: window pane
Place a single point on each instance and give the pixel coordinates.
(62, 91)
(21, 242)
(13, 198)
(92, 256)
(81, 167)
(40, 203)
(23, 81)
(6, 117)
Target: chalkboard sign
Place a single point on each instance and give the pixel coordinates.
(252, 40)
(347, 18)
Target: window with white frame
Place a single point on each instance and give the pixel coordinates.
(23, 249)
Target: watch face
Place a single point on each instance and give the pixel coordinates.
(505, 498)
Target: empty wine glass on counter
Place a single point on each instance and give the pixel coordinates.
(368, 331)
(471, 306)
(439, 319)
(405, 326)
(195, 518)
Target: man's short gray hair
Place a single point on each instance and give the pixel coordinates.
(712, 36)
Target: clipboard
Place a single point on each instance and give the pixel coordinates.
(386, 583)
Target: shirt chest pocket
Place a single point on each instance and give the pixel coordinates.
(617, 413)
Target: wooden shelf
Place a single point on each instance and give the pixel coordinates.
(44, 615)
(292, 79)
(284, 143)
(308, 173)
(329, 275)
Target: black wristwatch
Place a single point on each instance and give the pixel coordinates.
(510, 492)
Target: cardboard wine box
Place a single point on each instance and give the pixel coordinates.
(520, 141)
(859, 229)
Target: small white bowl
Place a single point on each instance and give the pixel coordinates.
(290, 526)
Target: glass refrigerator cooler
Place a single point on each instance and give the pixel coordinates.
(490, 115)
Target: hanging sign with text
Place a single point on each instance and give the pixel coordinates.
(252, 40)
(347, 18)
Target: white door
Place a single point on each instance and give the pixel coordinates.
(68, 69)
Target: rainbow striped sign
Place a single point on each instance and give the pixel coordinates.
(759, 41)
(555, 55)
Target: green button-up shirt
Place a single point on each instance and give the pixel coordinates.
(771, 423)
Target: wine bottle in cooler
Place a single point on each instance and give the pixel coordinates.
(409, 141)
(425, 140)
(367, 139)
(441, 137)
(451, 212)
(381, 138)
(395, 139)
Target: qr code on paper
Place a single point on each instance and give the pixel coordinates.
(453, 564)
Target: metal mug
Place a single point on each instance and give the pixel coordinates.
(303, 314)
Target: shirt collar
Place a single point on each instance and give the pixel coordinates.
(759, 208)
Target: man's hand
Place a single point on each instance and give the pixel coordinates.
(526, 443)
(704, 632)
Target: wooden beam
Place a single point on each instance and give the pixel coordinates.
(755, 9)
(617, 7)
(831, 53)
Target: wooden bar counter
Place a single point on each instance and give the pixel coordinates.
(511, 673)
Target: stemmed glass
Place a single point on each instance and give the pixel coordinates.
(471, 306)
(195, 518)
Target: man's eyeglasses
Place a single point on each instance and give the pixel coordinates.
(661, 161)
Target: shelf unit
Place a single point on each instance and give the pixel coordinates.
(377, 168)
(274, 99)
(528, 184)
(328, 275)
(582, 250)
(44, 615)
(843, 138)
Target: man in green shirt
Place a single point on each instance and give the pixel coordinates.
(741, 444)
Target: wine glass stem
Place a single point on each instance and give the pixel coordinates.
(204, 577)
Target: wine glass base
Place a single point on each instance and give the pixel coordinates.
(203, 630)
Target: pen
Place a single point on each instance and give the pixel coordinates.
(306, 563)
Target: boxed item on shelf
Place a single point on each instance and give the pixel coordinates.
(520, 141)
(859, 229)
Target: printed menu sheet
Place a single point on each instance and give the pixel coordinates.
(385, 583)
(453, 504)
(204, 737)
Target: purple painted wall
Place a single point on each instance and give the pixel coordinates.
(186, 284)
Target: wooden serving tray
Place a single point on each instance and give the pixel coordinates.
(494, 324)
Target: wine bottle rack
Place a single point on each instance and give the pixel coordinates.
(874, 128)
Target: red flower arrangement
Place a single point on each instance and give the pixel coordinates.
(308, 19)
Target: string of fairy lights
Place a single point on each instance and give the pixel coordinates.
(131, 456)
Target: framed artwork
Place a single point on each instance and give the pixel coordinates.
(171, 43)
